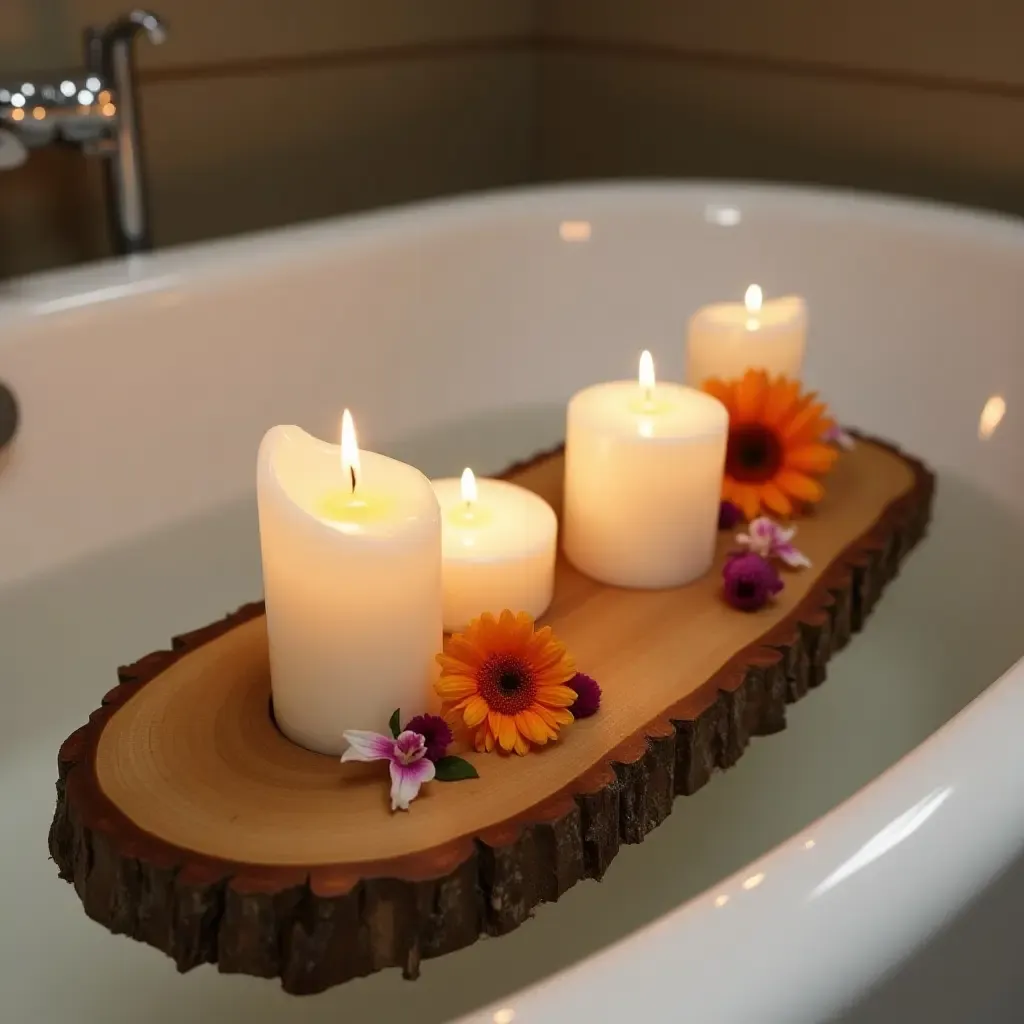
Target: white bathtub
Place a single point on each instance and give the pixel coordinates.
(456, 331)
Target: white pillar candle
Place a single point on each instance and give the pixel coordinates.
(643, 481)
(351, 545)
(498, 548)
(729, 338)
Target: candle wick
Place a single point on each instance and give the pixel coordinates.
(352, 474)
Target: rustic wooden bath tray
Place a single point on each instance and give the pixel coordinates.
(185, 819)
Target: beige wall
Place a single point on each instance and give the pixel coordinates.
(918, 96)
(265, 112)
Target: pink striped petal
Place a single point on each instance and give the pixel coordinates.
(367, 746)
(793, 558)
(406, 780)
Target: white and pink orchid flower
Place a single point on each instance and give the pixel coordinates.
(839, 437)
(410, 767)
(769, 539)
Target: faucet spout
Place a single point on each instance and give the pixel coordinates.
(130, 25)
(125, 171)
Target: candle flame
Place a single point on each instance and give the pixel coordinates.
(468, 486)
(752, 298)
(646, 370)
(349, 448)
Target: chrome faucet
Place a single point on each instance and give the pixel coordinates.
(95, 109)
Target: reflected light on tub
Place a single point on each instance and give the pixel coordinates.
(753, 881)
(882, 842)
(991, 416)
(809, 845)
(723, 216)
(574, 230)
(504, 1016)
(720, 901)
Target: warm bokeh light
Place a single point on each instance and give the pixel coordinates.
(39, 113)
(109, 110)
(349, 448)
(574, 230)
(505, 1015)
(18, 115)
(720, 901)
(468, 486)
(991, 416)
(753, 881)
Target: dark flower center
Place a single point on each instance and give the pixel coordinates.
(745, 589)
(753, 454)
(507, 683)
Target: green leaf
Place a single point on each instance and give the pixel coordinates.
(396, 723)
(454, 769)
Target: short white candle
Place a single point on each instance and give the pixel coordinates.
(729, 338)
(498, 549)
(351, 545)
(643, 481)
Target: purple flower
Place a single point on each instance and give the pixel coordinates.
(729, 515)
(588, 696)
(410, 767)
(435, 732)
(770, 540)
(839, 437)
(750, 581)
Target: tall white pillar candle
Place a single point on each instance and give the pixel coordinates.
(498, 549)
(351, 545)
(729, 338)
(643, 481)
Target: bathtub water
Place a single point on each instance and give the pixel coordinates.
(75, 603)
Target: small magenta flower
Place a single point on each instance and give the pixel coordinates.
(435, 731)
(750, 582)
(839, 437)
(769, 539)
(588, 695)
(729, 515)
(410, 766)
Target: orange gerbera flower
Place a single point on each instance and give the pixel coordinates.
(505, 681)
(775, 453)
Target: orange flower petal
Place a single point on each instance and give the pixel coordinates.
(812, 458)
(556, 696)
(474, 712)
(719, 389)
(807, 418)
(749, 397)
(484, 739)
(531, 725)
(748, 497)
(775, 500)
(800, 486)
(552, 717)
(494, 721)
(455, 687)
(507, 734)
(780, 402)
(521, 747)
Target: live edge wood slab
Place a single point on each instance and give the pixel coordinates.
(185, 819)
